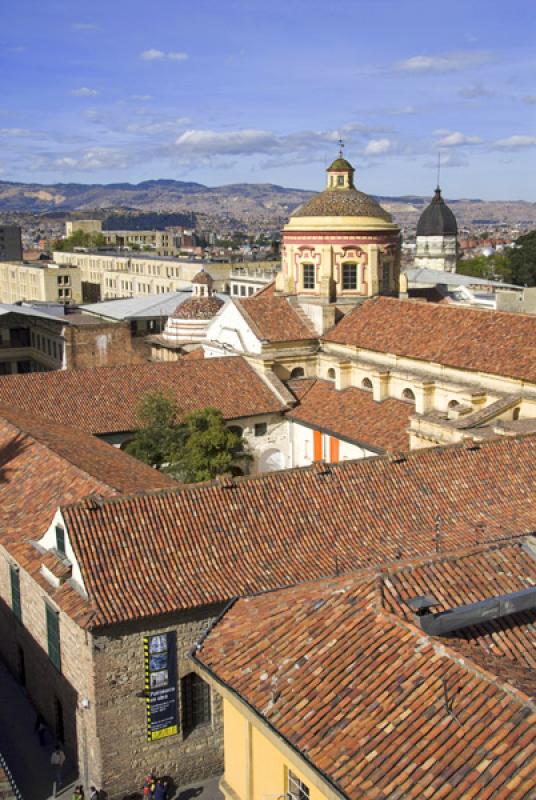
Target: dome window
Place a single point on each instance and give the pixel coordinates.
(366, 384)
(297, 372)
(408, 395)
(308, 276)
(331, 374)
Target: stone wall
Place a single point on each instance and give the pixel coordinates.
(121, 710)
(100, 345)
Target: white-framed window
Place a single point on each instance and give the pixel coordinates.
(308, 273)
(297, 790)
(349, 276)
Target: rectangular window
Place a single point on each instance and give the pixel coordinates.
(297, 790)
(53, 636)
(308, 276)
(349, 276)
(15, 591)
(195, 702)
(60, 540)
(261, 428)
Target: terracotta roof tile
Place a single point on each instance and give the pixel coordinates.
(371, 702)
(154, 553)
(354, 415)
(275, 318)
(493, 342)
(104, 399)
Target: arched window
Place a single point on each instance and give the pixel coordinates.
(331, 374)
(308, 276)
(516, 413)
(407, 394)
(349, 276)
(195, 696)
(297, 372)
(236, 429)
(453, 404)
(366, 383)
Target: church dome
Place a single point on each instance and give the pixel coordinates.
(342, 203)
(202, 278)
(198, 308)
(340, 165)
(437, 219)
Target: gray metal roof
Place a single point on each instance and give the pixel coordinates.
(433, 277)
(437, 219)
(6, 308)
(143, 307)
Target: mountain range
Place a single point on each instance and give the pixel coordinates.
(243, 202)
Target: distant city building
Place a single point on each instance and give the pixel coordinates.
(437, 236)
(246, 280)
(39, 280)
(83, 225)
(10, 243)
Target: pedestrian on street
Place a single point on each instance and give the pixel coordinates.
(160, 792)
(57, 760)
(94, 793)
(78, 793)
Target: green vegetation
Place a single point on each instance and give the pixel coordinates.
(199, 448)
(522, 260)
(491, 268)
(516, 265)
(79, 239)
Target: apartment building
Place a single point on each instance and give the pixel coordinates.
(42, 281)
(10, 243)
(120, 274)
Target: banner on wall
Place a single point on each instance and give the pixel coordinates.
(160, 653)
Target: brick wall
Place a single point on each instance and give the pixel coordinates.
(100, 345)
(121, 715)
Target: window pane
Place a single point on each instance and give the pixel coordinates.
(308, 276)
(349, 276)
(195, 702)
(15, 591)
(60, 540)
(53, 636)
(296, 789)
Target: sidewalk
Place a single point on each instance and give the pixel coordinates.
(29, 763)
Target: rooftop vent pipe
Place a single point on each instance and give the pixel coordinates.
(472, 614)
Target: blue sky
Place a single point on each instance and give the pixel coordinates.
(222, 91)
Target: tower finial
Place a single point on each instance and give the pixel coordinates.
(438, 168)
(341, 148)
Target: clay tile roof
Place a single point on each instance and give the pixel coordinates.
(204, 544)
(275, 319)
(378, 708)
(198, 308)
(342, 203)
(203, 278)
(104, 399)
(493, 342)
(353, 414)
(340, 164)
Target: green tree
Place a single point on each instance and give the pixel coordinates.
(79, 239)
(522, 260)
(491, 268)
(209, 448)
(160, 436)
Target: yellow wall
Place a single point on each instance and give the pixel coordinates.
(257, 762)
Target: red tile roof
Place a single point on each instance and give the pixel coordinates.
(353, 414)
(154, 553)
(377, 707)
(43, 465)
(275, 319)
(493, 342)
(104, 399)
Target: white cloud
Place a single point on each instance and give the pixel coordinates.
(449, 62)
(155, 126)
(377, 147)
(516, 141)
(93, 159)
(84, 26)
(476, 90)
(455, 139)
(530, 99)
(160, 55)
(16, 132)
(84, 91)
(142, 98)
(208, 143)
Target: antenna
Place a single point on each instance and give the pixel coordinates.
(438, 167)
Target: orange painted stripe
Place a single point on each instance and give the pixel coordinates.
(317, 446)
(333, 450)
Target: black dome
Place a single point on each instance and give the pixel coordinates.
(437, 219)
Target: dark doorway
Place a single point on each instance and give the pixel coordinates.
(21, 666)
(59, 724)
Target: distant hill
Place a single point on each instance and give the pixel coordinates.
(244, 202)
